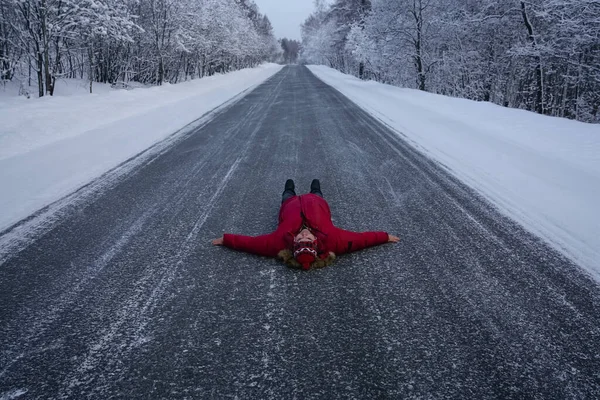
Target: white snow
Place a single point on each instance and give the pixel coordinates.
(542, 171)
(51, 146)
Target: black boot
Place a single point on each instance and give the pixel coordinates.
(289, 185)
(289, 190)
(315, 187)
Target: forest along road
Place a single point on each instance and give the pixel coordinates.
(124, 297)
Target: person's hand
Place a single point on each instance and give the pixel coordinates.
(393, 239)
(218, 242)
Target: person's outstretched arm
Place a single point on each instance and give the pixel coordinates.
(348, 241)
(264, 245)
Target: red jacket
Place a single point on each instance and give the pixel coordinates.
(314, 211)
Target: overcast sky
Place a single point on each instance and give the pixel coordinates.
(286, 15)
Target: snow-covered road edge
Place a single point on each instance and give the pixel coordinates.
(43, 171)
(541, 171)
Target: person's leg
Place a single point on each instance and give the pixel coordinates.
(289, 190)
(315, 187)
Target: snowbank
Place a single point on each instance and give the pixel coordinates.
(51, 146)
(542, 171)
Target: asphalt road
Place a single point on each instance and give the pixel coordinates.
(123, 297)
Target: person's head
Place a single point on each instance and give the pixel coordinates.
(305, 252)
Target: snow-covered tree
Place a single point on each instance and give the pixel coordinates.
(149, 41)
(290, 48)
(325, 33)
(98, 23)
(540, 55)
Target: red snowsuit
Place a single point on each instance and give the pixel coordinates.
(313, 211)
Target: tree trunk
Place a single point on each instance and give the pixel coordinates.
(91, 56)
(56, 67)
(28, 68)
(418, 43)
(161, 71)
(46, 50)
(40, 66)
(539, 77)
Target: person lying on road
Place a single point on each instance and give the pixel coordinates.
(305, 237)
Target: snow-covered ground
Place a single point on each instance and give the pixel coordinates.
(49, 147)
(542, 171)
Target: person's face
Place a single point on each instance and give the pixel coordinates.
(305, 236)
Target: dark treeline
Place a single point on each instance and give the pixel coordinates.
(291, 49)
(538, 55)
(146, 41)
